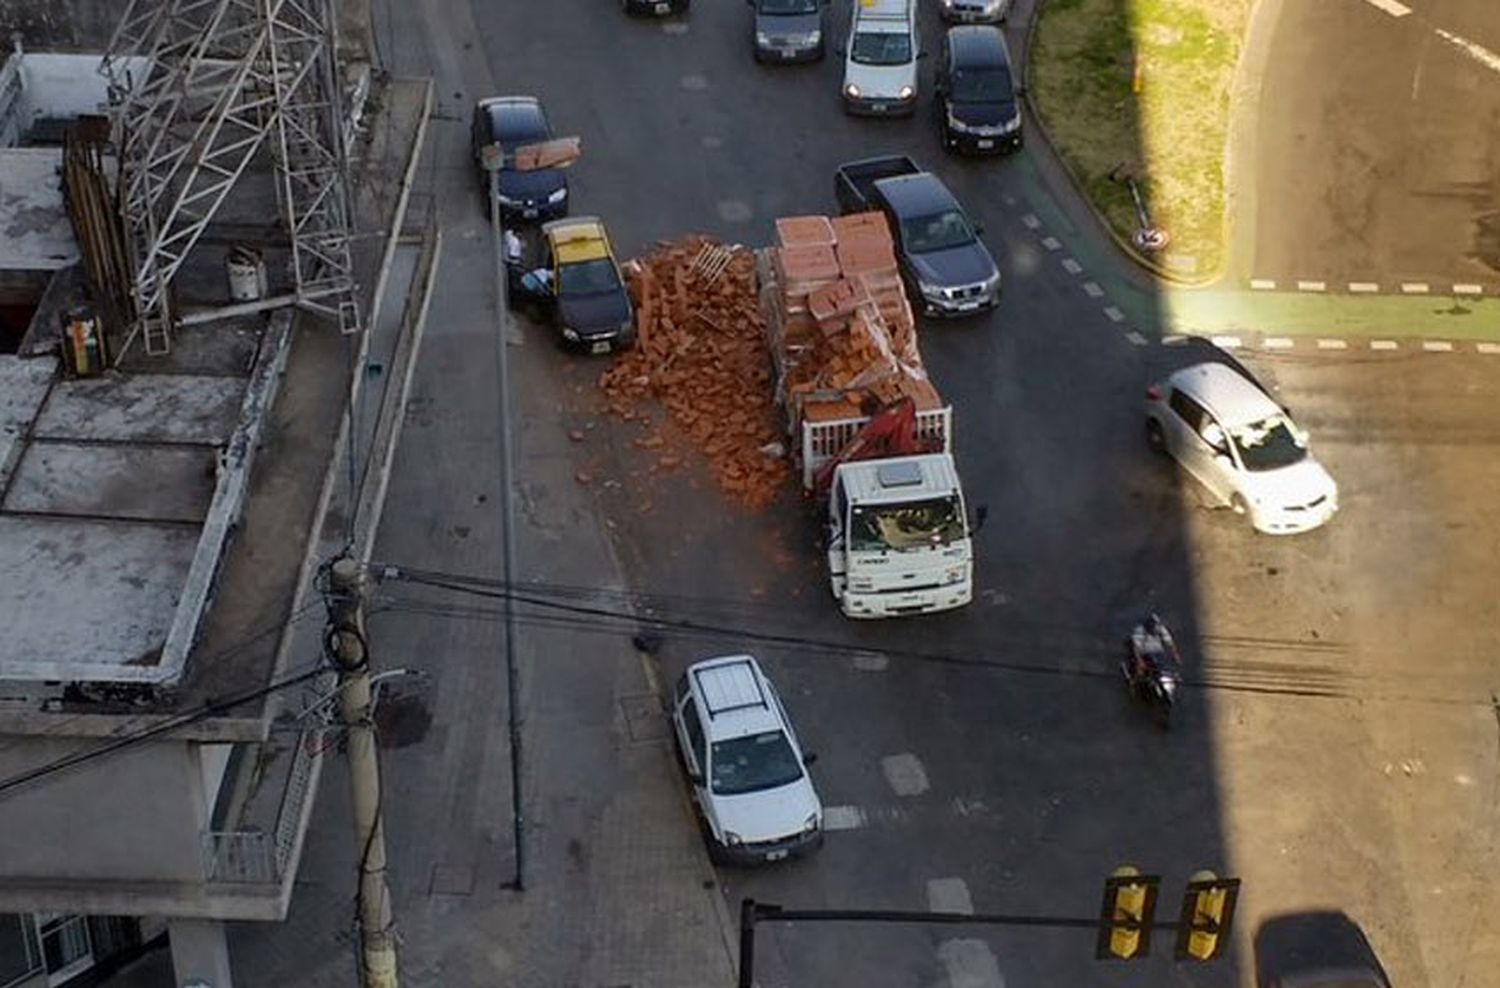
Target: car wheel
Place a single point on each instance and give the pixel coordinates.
(1155, 436)
(1238, 506)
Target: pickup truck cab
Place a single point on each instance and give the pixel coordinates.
(947, 269)
(588, 301)
(880, 60)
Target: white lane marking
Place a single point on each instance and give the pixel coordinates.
(676, 27)
(1263, 284)
(1173, 340)
(1136, 339)
(1490, 348)
(1031, 221)
(905, 774)
(1278, 343)
(1071, 266)
(694, 82)
(1332, 345)
(1311, 286)
(949, 895)
(1392, 7)
(1437, 346)
(1468, 289)
(1477, 52)
(843, 818)
(871, 661)
(1008, 199)
(1114, 314)
(1384, 345)
(1227, 342)
(970, 964)
(1093, 290)
(1415, 287)
(1363, 286)
(710, 142)
(734, 210)
(1052, 243)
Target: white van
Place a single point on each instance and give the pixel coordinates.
(880, 59)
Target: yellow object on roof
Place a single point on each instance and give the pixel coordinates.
(574, 240)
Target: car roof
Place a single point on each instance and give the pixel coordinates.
(899, 478)
(577, 238)
(880, 10)
(1231, 396)
(514, 108)
(978, 45)
(735, 701)
(923, 193)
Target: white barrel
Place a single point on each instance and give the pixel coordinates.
(247, 274)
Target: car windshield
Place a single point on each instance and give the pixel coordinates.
(881, 48)
(754, 762)
(1269, 444)
(981, 86)
(906, 526)
(936, 231)
(589, 277)
(788, 6)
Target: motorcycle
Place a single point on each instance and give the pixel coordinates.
(1152, 668)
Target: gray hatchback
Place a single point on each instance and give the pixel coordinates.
(788, 30)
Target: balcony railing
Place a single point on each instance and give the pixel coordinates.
(256, 856)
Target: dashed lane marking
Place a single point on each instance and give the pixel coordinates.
(1093, 290)
(1052, 243)
(1263, 284)
(1363, 287)
(905, 774)
(1227, 342)
(1468, 289)
(1332, 345)
(1415, 287)
(949, 895)
(694, 82)
(1277, 343)
(1437, 346)
(1312, 286)
(1114, 314)
(1175, 339)
(675, 27)
(1477, 52)
(1392, 7)
(1136, 339)
(871, 661)
(970, 964)
(1031, 221)
(1384, 345)
(843, 818)
(1071, 266)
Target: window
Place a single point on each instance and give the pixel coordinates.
(936, 231)
(1187, 409)
(589, 277)
(1269, 444)
(933, 522)
(694, 731)
(18, 957)
(753, 763)
(880, 48)
(984, 85)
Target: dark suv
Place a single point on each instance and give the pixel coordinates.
(978, 101)
(516, 121)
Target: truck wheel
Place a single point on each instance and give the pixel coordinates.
(1155, 437)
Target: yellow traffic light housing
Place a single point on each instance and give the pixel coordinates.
(1207, 911)
(1126, 916)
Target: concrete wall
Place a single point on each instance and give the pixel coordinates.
(67, 25)
(137, 814)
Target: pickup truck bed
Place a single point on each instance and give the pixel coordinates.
(854, 182)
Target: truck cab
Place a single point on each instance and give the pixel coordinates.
(899, 540)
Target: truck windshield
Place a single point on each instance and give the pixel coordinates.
(589, 278)
(936, 231)
(880, 48)
(937, 521)
(752, 763)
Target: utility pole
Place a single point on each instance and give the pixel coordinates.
(347, 645)
(493, 158)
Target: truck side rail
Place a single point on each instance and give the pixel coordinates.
(822, 441)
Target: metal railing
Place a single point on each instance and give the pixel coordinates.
(258, 856)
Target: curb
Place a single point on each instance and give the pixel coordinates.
(1121, 243)
(1471, 290)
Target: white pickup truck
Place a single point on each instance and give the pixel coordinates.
(898, 534)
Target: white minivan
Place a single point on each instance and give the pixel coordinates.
(747, 770)
(880, 59)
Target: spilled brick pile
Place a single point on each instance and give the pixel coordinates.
(701, 352)
(841, 329)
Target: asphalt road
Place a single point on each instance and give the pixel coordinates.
(1375, 148)
(1337, 749)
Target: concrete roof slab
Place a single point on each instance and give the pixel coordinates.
(23, 387)
(164, 408)
(146, 483)
(35, 232)
(88, 600)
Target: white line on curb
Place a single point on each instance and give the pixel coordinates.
(1332, 345)
(1392, 7)
(1032, 223)
(1114, 314)
(1227, 342)
(1363, 287)
(1052, 243)
(1478, 52)
(1071, 266)
(1136, 339)
(1173, 340)
(1491, 348)
(1263, 284)
(1437, 346)
(1468, 289)
(1277, 343)
(1312, 286)
(1415, 287)
(843, 818)
(1384, 345)
(1093, 290)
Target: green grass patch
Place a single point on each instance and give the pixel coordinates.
(1146, 84)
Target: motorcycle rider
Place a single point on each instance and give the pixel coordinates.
(1151, 645)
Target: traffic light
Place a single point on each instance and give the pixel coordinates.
(1125, 918)
(1207, 911)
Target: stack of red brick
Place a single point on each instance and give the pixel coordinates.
(847, 339)
(700, 350)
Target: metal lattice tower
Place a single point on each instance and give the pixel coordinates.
(218, 80)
